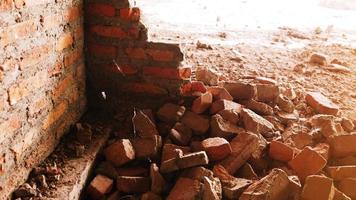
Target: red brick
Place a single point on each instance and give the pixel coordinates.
(55, 115)
(99, 186)
(280, 151)
(170, 112)
(347, 186)
(216, 148)
(224, 105)
(144, 127)
(35, 55)
(17, 32)
(130, 14)
(79, 33)
(219, 127)
(307, 162)
(147, 88)
(168, 73)
(180, 134)
(185, 188)
(128, 70)
(102, 50)
(318, 59)
(146, 147)
(255, 123)
(193, 87)
(131, 171)
(129, 184)
(72, 14)
(108, 31)
(220, 93)
(101, 10)
(56, 69)
(199, 124)
(64, 41)
(136, 53)
(120, 152)
(72, 57)
(160, 55)
(168, 151)
(157, 181)
(321, 104)
(240, 90)
(62, 87)
(318, 187)
(202, 103)
(338, 173)
(5, 5)
(343, 145)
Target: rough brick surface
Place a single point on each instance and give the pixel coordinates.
(120, 152)
(223, 128)
(198, 123)
(318, 187)
(223, 104)
(241, 91)
(186, 188)
(133, 184)
(216, 148)
(170, 112)
(343, 145)
(202, 103)
(100, 186)
(256, 123)
(280, 151)
(321, 104)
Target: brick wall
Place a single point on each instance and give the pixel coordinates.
(42, 81)
(120, 59)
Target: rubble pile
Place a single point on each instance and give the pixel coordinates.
(250, 139)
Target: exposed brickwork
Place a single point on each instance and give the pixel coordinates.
(42, 82)
(120, 59)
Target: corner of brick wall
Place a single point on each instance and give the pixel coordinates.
(120, 59)
(42, 81)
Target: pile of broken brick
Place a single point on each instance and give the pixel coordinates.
(250, 139)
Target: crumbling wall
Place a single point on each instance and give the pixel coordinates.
(42, 81)
(120, 59)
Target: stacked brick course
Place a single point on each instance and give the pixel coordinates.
(42, 81)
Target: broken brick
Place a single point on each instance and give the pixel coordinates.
(224, 105)
(192, 160)
(318, 59)
(307, 162)
(280, 151)
(150, 196)
(241, 91)
(321, 104)
(147, 147)
(347, 186)
(143, 125)
(157, 181)
(207, 75)
(202, 103)
(198, 123)
(343, 145)
(230, 115)
(212, 189)
(267, 92)
(338, 195)
(168, 151)
(285, 104)
(242, 147)
(223, 128)
(255, 123)
(274, 186)
(186, 188)
(133, 184)
(131, 171)
(180, 134)
(341, 172)
(259, 107)
(99, 186)
(120, 152)
(216, 148)
(170, 112)
(220, 93)
(347, 124)
(318, 187)
(192, 88)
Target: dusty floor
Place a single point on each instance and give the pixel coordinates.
(248, 40)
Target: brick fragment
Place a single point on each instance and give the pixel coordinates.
(99, 186)
(212, 189)
(342, 172)
(143, 125)
(232, 187)
(318, 187)
(321, 104)
(131, 171)
(240, 90)
(243, 146)
(343, 145)
(247, 172)
(150, 196)
(192, 160)
(168, 151)
(338, 195)
(259, 107)
(130, 14)
(186, 188)
(285, 104)
(180, 134)
(347, 124)
(224, 105)
(280, 151)
(216, 148)
(347, 186)
(157, 181)
(192, 88)
(274, 186)
(198, 123)
(223, 128)
(230, 115)
(170, 112)
(147, 147)
(132, 184)
(266, 80)
(202, 103)
(100, 9)
(220, 93)
(208, 76)
(256, 123)
(318, 59)
(307, 162)
(120, 152)
(267, 92)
